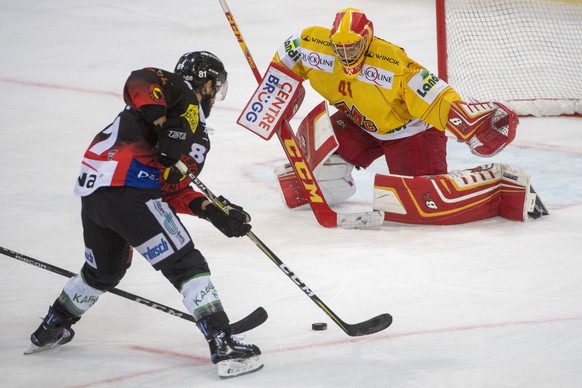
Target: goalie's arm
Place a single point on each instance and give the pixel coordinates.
(486, 127)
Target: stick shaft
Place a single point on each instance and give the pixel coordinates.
(249, 322)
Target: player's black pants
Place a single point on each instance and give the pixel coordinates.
(118, 218)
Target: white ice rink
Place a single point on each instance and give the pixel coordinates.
(487, 304)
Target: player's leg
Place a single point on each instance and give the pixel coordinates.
(107, 256)
(422, 154)
(161, 238)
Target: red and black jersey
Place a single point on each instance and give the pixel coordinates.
(122, 153)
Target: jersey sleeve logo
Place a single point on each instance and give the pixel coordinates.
(427, 85)
(289, 52)
(156, 94)
(192, 115)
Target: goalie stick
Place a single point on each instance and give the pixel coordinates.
(254, 319)
(323, 213)
(370, 326)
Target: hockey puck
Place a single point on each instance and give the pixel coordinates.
(318, 326)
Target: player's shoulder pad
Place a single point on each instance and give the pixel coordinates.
(316, 39)
(385, 55)
(298, 47)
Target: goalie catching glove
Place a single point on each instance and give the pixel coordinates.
(232, 222)
(486, 127)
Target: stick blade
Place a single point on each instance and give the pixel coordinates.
(370, 326)
(254, 319)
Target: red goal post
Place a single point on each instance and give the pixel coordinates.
(525, 53)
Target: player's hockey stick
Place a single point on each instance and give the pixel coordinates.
(370, 326)
(249, 322)
(323, 213)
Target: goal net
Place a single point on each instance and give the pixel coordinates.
(525, 53)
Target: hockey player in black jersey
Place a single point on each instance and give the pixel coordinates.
(131, 191)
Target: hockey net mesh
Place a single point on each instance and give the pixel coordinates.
(526, 53)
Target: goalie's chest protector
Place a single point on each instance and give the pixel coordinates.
(367, 98)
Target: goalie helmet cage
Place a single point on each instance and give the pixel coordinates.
(524, 53)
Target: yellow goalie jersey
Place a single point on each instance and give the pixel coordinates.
(390, 92)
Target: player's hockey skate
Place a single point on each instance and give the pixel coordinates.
(53, 331)
(233, 358)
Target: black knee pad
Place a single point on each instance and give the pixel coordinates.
(102, 281)
(185, 267)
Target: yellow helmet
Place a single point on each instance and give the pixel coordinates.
(350, 37)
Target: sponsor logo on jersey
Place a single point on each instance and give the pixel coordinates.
(155, 249)
(177, 135)
(382, 57)
(427, 85)
(94, 174)
(356, 117)
(318, 61)
(322, 42)
(292, 48)
(375, 76)
(142, 175)
(156, 94)
(192, 115)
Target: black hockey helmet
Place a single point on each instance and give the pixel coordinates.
(198, 67)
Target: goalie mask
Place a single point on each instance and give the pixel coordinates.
(351, 35)
(199, 67)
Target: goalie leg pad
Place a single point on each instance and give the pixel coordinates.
(519, 201)
(453, 198)
(334, 177)
(291, 187)
(458, 197)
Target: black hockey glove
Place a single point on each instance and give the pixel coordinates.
(235, 224)
(171, 140)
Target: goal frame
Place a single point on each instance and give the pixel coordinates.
(443, 66)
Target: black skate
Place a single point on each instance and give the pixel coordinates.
(53, 331)
(232, 357)
(538, 209)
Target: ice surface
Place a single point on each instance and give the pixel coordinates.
(488, 304)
